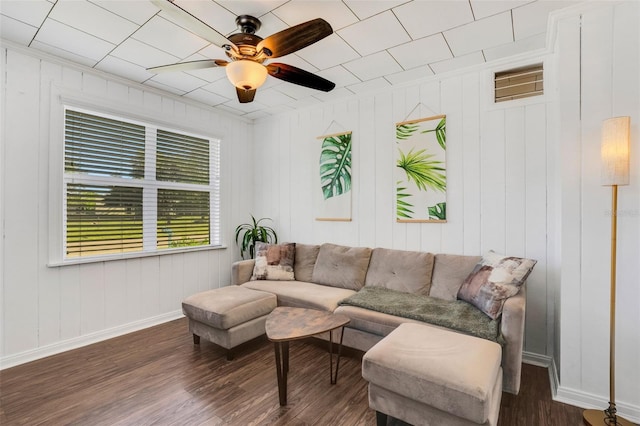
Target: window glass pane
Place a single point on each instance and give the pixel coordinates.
(183, 218)
(101, 146)
(103, 220)
(182, 158)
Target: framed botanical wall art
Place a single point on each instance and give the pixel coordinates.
(420, 172)
(333, 178)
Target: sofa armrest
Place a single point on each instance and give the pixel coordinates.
(512, 328)
(241, 271)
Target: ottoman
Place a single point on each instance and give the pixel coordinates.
(425, 375)
(228, 316)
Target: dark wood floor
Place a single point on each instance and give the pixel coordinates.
(157, 376)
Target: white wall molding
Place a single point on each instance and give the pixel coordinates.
(537, 359)
(591, 401)
(87, 339)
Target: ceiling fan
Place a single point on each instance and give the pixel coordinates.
(247, 52)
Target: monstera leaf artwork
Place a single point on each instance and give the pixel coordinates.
(335, 176)
(421, 180)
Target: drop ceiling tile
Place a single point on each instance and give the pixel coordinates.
(338, 93)
(366, 36)
(296, 92)
(484, 8)
(207, 97)
(255, 8)
(271, 24)
(367, 86)
(169, 37)
(257, 114)
(94, 20)
(457, 63)
(273, 97)
(296, 61)
(135, 11)
(424, 18)
(228, 108)
(531, 19)
(336, 13)
(142, 54)
(164, 87)
(421, 52)
(339, 75)
(366, 9)
(246, 108)
(412, 74)
(124, 69)
(328, 52)
(373, 66)
(212, 14)
(179, 80)
(482, 34)
(69, 39)
(208, 74)
(30, 12)
(519, 46)
(63, 53)
(222, 87)
(14, 30)
(304, 102)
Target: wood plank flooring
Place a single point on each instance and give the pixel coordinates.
(158, 377)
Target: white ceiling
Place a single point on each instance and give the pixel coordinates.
(376, 43)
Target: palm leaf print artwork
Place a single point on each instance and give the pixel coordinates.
(421, 170)
(332, 198)
(335, 165)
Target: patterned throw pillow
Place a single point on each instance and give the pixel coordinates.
(274, 262)
(493, 280)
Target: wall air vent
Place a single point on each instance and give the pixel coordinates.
(519, 83)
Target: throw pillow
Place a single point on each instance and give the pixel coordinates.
(341, 266)
(306, 255)
(274, 262)
(493, 280)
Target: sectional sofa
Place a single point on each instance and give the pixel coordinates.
(379, 289)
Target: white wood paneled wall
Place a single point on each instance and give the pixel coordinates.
(598, 78)
(496, 175)
(48, 309)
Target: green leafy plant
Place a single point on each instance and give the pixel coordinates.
(439, 211)
(248, 234)
(403, 208)
(422, 170)
(335, 165)
(441, 133)
(404, 131)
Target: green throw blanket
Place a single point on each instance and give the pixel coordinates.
(457, 315)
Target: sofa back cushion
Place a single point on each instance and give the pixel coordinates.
(341, 266)
(306, 256)
(400, 270)
(449, 272)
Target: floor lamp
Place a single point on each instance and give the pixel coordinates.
(615, 171)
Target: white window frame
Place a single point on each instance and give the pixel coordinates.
(59, 180)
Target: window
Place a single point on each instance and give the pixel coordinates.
(134, 187)
(519, 83)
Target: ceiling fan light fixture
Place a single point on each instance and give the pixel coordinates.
(246, 74)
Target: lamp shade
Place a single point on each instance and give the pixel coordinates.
(615, 151)
(246, 74)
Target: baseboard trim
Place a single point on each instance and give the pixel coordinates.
(589, 400)
(87, 339)
(536, 359)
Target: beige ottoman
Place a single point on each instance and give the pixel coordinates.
(228, 316)
(426, 375)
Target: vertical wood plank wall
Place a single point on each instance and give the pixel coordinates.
(52, 306)
(497, 185)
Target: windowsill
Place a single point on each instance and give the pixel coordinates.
(126, 256)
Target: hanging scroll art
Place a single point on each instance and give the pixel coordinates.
(420, 173)
(333, 180)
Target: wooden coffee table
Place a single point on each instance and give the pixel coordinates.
(285, 324)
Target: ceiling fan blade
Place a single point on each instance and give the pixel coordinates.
(245, 96)
(299, 76)
(189, 66)
(190, 22)
(295, 38)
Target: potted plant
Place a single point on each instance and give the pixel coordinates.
(247, 234)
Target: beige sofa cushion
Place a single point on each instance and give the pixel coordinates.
(452, 372)
(341, 266)
(449, 272)
(306, 255)
(300, 294)
(400, 270)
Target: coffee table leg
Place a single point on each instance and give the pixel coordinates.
(334, 379)
(282, 368)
